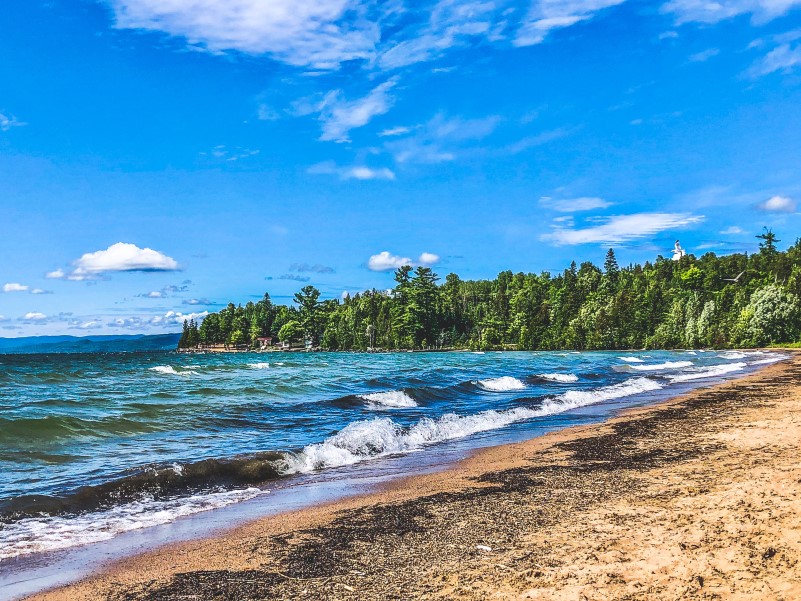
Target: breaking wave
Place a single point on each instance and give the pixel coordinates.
(170, 370)
(653, 367)
(388, 400)
(262, 365)
(631, 359)
(562, 378)
(502, 384)
(379, 437)
(708, 372)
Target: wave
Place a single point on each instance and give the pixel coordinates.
(562, 378)
(261, 365)
(50, 533)
(708, 372)
(389, 399)
(653, 367)
(170, 370)
(502, 384)
(380, 437)
(732, 355)
(631, 359)
(155, 483)
(772, 359)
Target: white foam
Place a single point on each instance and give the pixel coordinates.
(378, 437)
(559, 377)
(771, 359)
(170, 370)
(502, 384)
(631, 359)
(654, 366)
(732, 355)
(49, 533)
(708, 372)
(262, 365)
(389, 399)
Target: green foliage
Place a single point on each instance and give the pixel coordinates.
(664, 304)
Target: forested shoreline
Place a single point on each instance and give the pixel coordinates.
(736, 300)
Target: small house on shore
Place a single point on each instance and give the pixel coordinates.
(264, 342)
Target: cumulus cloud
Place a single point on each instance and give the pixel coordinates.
(33, 317)
(705, 11)
(573, 205)
(15, 287)
(91, 324)
(778, 204)
(620, 228)
(386, 261)
(197, 301)
(169, 320)
(118, 257)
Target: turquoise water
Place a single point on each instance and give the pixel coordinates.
(94, 445)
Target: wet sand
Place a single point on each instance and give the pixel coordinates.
(696, 498)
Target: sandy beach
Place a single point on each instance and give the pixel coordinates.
(696, 498)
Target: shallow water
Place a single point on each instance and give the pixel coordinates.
(96, 445)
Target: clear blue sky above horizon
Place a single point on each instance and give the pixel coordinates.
(160, 159)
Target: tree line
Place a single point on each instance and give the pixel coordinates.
(691, 302)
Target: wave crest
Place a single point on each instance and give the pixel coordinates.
(502, 384)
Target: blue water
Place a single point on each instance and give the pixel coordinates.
(94, 445)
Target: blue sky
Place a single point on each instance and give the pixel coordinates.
(158, 159)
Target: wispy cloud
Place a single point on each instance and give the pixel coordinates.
(783, 58)
(704, 11)
(620, 228)
(546, 16)
(732, 230)
(118, 257)
(223, 153)
(386, 261)
(9, 121)
(704, 55)
(197, 301)
(359, 172)
(307, 268)
(339, 116)
(440, 139)
(573, 205)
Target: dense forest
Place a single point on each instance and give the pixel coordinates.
(737, 300)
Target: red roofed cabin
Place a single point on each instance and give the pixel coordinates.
(265, 341)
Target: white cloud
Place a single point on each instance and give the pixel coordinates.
(34, 317)
(428, 259)
(548, 15)
(85, 325)
(365, 173)
(7, 122)
(117, 257)
(783, 58)
(621, 228)
(440, 139)
(360, 172)
(385, 261)
(713, 11)
(573, 205)
(732, 230)
(197, 301)
(266, 113)
(15, 287)
(320, 34)
(170, 319)
(339, 116)
(395, 131)
(704, 55)
(40, 291)
(778, 204)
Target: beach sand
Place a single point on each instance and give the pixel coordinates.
(696, 498)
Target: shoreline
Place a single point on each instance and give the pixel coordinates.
(476, 515)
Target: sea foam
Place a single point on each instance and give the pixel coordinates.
(170, 370)
(654, 366)
(50, 533)
(631, 359)
(708, 372)
(378, 437)
(502, 384)
(388, 400)
(262, 365)
(564, 378)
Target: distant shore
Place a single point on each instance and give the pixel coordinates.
(694, 498)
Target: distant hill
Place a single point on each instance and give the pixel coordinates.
(89, 344)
